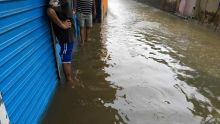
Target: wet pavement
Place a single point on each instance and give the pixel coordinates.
(142, 66)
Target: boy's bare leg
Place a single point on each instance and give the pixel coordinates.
(68, 73)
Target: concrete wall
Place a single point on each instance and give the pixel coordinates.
(203, 10)
(168, 5)
(154, 3)
(208, 10)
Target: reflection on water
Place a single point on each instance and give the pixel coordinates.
(85, 103)
(145, 67)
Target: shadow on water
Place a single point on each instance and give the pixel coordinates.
(85, 103)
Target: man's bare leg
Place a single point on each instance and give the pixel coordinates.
(82, 34)
(87, 34)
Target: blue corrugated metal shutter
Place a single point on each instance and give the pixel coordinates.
(27, 64)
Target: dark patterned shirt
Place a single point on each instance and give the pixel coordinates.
(63, 10)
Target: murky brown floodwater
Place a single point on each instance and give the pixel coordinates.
(145, 67)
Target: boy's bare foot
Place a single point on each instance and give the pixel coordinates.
(71, 83)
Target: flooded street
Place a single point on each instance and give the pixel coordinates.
(142, 66)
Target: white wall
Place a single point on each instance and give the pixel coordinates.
(210, 5)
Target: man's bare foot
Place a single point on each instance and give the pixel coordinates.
(89, 39)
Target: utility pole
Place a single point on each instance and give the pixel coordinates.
(198, 9)
(217, 17)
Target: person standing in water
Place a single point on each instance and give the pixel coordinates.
(85, 10)
(61, 14)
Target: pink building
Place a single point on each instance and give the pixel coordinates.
(187, 7)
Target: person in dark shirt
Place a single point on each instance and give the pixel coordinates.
(61, 14)
(85, 9)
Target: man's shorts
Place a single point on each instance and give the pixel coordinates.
(66, 52)
(85, 20)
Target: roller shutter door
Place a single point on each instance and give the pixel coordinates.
(28, 73)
